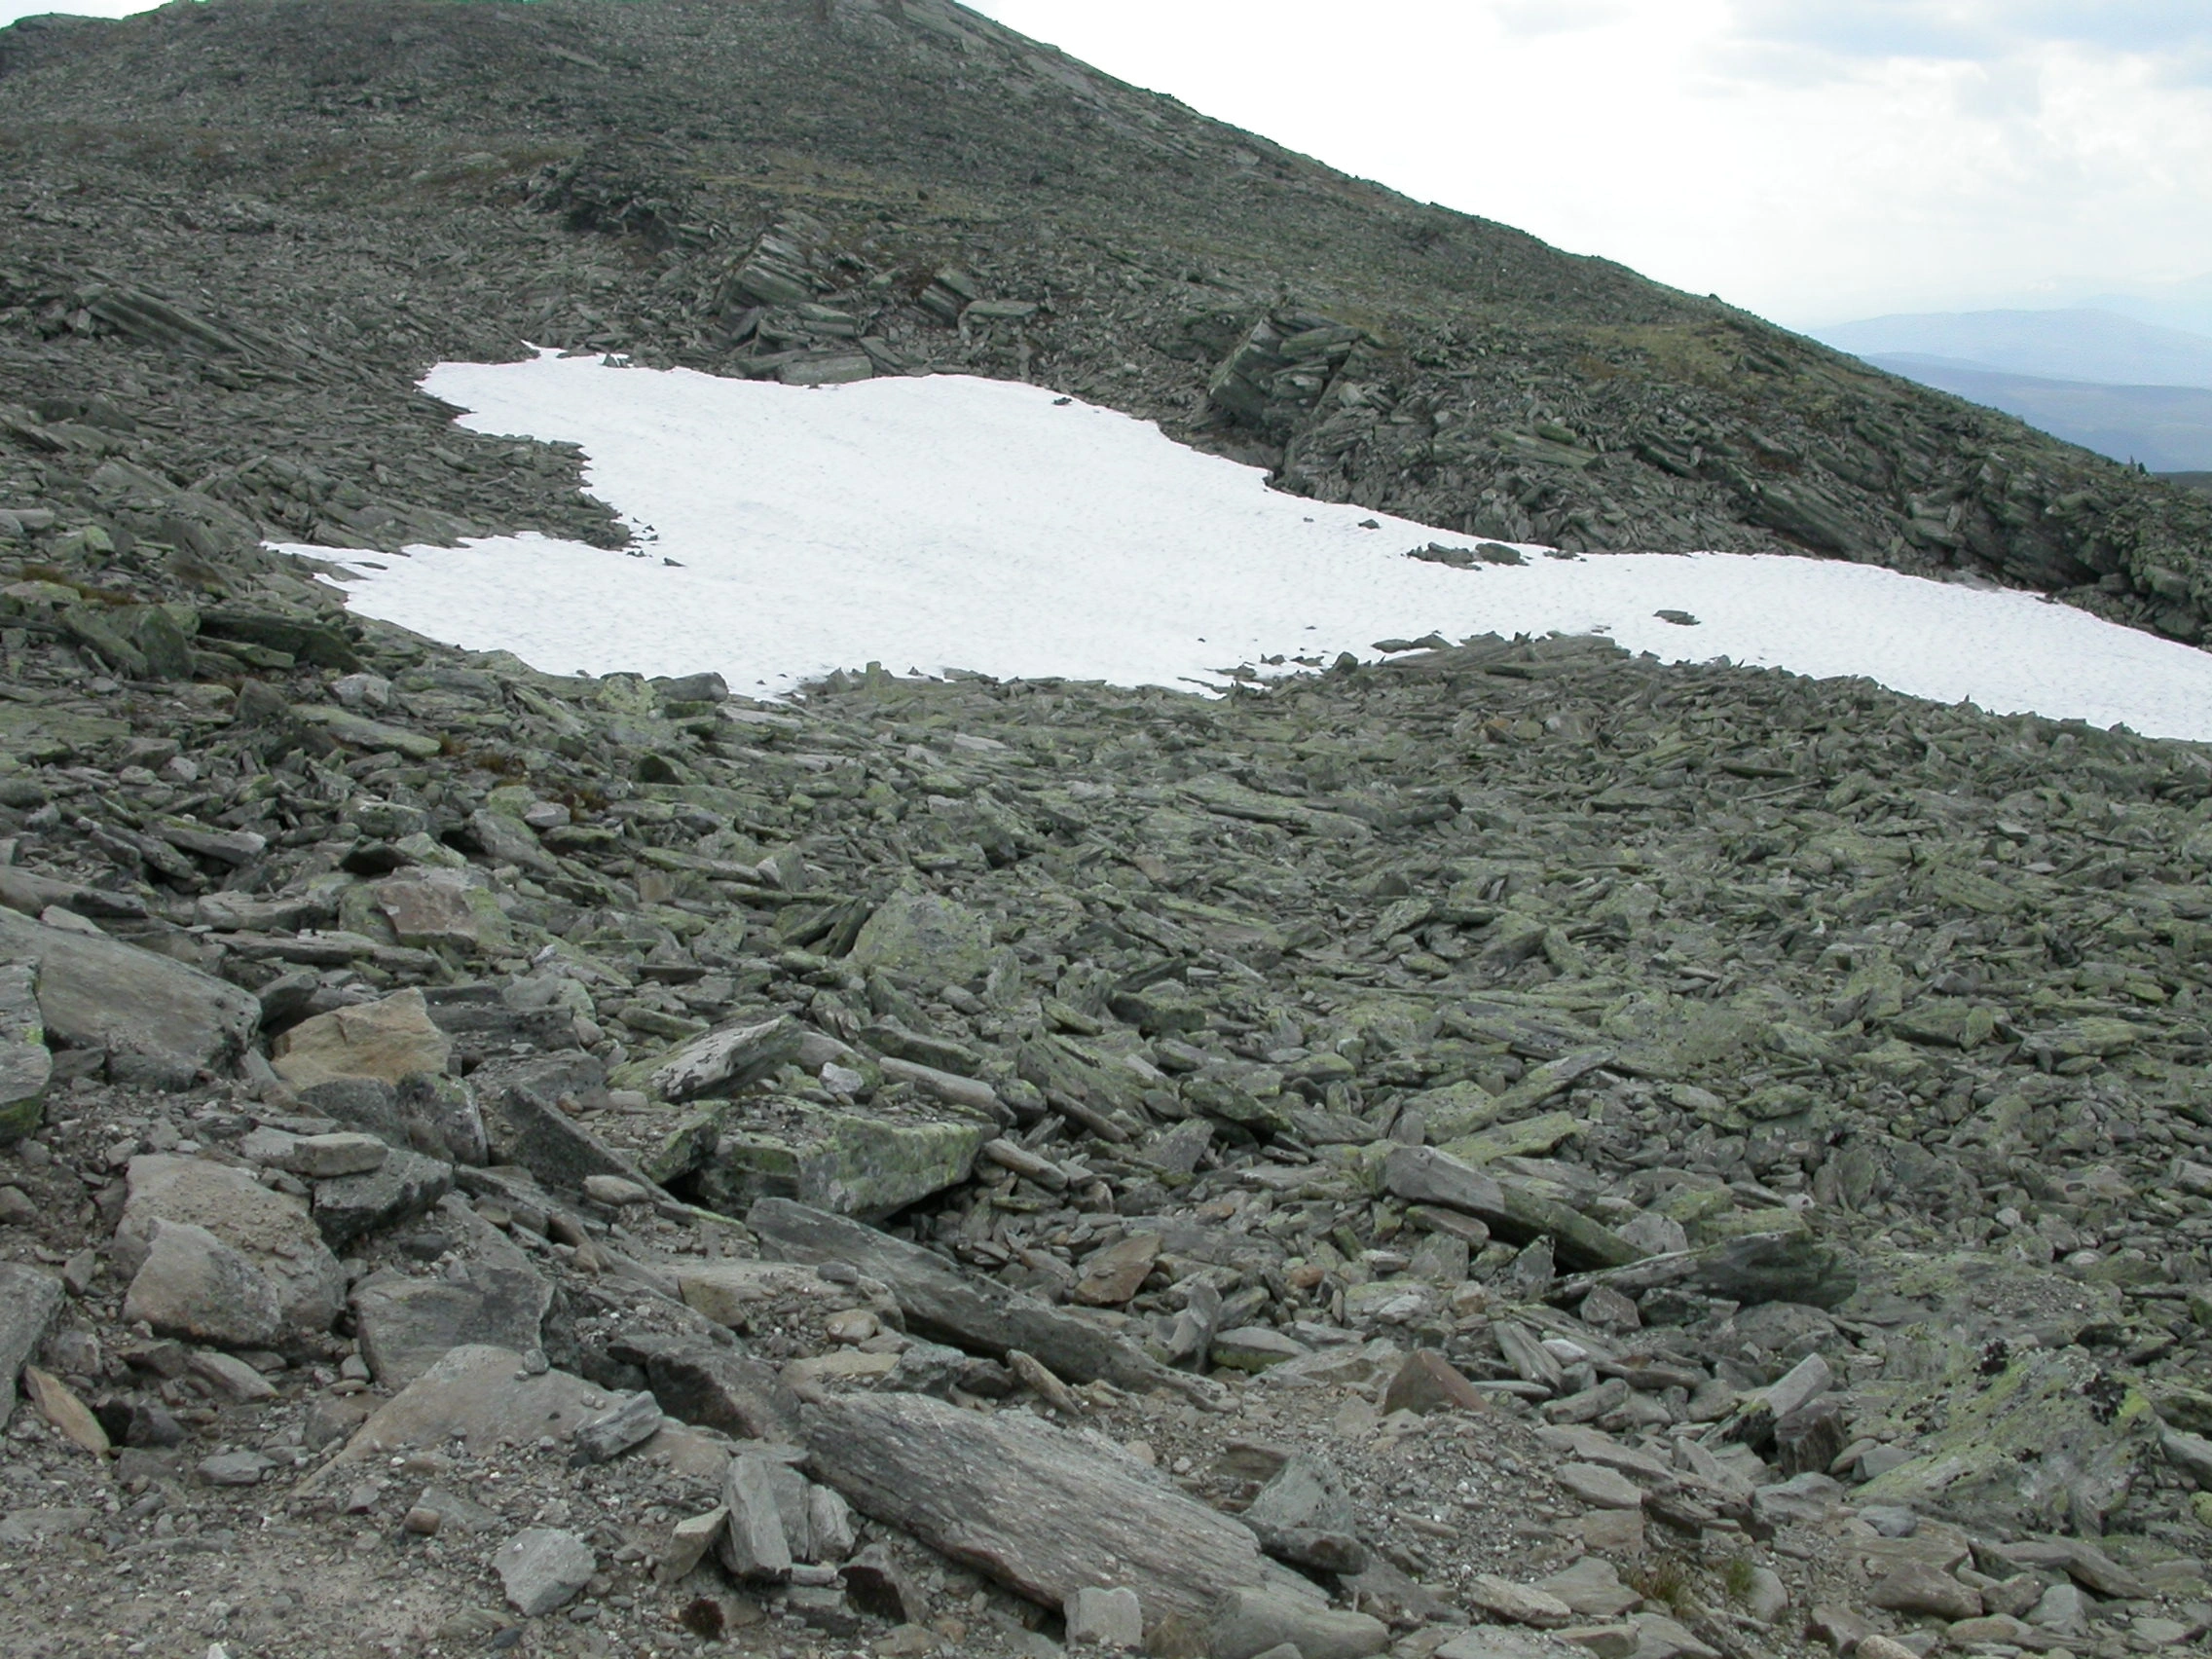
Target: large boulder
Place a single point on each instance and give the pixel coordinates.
(922, 938)
(192, 1285)
(1041, 1510)
(160, 1021)
(390, 1041)
(435, 1115)
(487, 1293)
(2040, 1432)
(483, 1397)
(270, 1232)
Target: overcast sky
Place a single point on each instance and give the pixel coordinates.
(1812, 160)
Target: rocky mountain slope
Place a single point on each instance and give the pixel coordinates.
(1516, 1150)
(255, 223)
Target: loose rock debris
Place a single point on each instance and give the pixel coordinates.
(1515, 1139)
(1517, 1151)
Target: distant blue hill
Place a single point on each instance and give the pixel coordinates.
(2094, 345)
(2168, 428)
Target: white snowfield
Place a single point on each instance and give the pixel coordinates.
(956, 523)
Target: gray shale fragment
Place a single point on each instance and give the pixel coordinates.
(1033, 1507)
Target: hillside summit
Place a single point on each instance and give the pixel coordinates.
(302, 206)
(1514, 1150)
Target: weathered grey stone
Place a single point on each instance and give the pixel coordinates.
(1034, 1508)
(1518, 1604)
(314, 1156)
(524, 1126)
(1303, 1516)
(688, 1542)
(753, 1545)
(1511, 1209)
(939, 1299)
(1254, 1620)
(542, 1569)
(405, 1185)
(846, 1162)
(724, 1061)
(438, 910)
(480, 1395)
(1796, 1267)
(714, 1387)
(1495, 1641)
(95, 992)
(1916, 1587)
(931, 941)
(30, 1300)
(234, 1468)
(1591, 1588)
(2029, 1448)
(272, 1232)
(1105, 1618)
(830, 1525)
(407, 1325)
(190, 1284)
(628, 1423)
(231, 1377)
(436, 1116)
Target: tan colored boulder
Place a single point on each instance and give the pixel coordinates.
(391, 1040)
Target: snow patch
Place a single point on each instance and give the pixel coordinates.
(956, 523)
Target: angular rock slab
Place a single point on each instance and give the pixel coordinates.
(404, 1186)
(725, 1061)
(192, 1285)
(920, 937)
(1253, 1623)
(95, 992)
(270, 1230)
(407, 1325)
(846, 1162)
(489, 1294)
(485, 1396)
(2031, 1449)
(542, 1569)
(391, 1040)
(1033, 1507)
(28, 1302)
(977, 1313)
(1423, 1175)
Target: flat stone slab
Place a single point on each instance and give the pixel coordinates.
(95, 992)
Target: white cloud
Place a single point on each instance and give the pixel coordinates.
(1810, 159)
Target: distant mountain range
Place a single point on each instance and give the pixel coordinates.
(2097, 345)
(2127, 389)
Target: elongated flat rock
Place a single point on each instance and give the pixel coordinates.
(101, 993)
(1032, 1506)
(1423, 1175)
(941, 1300)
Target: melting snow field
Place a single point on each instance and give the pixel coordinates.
(952, 522)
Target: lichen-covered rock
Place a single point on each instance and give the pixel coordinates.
(25, 1064)
(847, 1162)
(932, 941)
